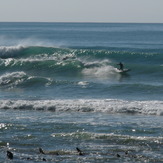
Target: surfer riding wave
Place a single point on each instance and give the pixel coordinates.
(120, 66)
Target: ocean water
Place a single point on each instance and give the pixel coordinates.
(60, 89)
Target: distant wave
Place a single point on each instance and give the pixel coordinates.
(100, 52)
(89, 105)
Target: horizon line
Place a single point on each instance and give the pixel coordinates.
(79, 22)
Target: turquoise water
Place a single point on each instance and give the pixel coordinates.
(60, 89)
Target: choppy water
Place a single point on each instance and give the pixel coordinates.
(60, 89)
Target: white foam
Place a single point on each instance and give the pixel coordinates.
(83, 83)
(103, 71)
(5, 50)
(89, 105)
(12, 78)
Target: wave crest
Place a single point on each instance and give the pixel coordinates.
(11, 79)
(10, 51)
(81, 105)
(14, 79)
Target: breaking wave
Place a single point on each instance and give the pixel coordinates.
(15, 79)
(90, 105)
(86, 60)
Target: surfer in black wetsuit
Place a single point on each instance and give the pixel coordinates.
(120, 66)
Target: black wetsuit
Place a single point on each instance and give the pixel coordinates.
(121, 66)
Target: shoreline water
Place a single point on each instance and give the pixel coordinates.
(102, 137)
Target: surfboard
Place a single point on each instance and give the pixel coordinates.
(124, 70)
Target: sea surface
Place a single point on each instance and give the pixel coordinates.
(61, 90)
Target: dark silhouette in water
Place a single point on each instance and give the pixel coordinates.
(28, 158)
(65, 58)
(118, 155)
(43, 159)
(120, 66)
(41, 151)
(79, 151)
(48, 152)
(126, 152)
(9, 155)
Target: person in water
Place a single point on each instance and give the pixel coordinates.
(120, 66)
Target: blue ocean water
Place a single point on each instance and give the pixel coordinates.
(60, 82)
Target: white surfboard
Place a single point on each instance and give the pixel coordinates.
(123, 71)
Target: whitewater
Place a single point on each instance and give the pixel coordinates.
(60, 89)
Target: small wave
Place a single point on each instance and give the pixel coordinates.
(14, 79)
(81, 105)
(110, 136)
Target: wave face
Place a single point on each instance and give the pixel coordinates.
(79, 61)
(61, 59)
(82, 70)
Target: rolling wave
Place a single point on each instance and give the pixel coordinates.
(61, 59)
(20, 66)
(26, 51)
(17, 79)
(90, 105)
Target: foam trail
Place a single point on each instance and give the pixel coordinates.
(100, 72)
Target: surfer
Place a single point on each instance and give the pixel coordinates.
(120, 66)
(79, 151)
(41, 151)
(9, 155)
